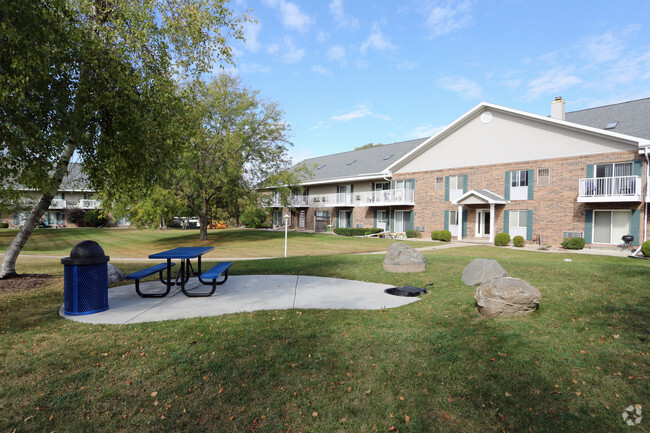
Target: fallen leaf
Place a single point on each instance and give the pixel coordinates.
(407, 418)
(155, 393)
(314, 414)
(508, 394)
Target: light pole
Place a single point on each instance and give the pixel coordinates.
(286, 228)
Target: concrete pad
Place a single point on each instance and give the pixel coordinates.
(242, 293)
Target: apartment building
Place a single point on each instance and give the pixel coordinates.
(494, 169)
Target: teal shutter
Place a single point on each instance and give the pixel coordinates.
(446, 220)
(636, 167)
(374, 218)
(351, 189)
(635, 226)
(506, 221)
(446, 188)
(506, 194)
(412, 183)
(351, 222)
(372, 187)
(464, 183)
(529, 225)
(392, 184)
(465, 223)
(531, 184)
(589, 218)
(412, 220)
(392, 219)
(338, 220)
(590, 170)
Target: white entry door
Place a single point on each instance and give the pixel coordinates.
(381, 219)
(482, 223)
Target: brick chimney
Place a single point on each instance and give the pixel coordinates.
(557, 108)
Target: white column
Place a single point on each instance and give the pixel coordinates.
(491, 223)
(460, 222)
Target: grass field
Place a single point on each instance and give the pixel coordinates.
(233, 243)
(434, 365)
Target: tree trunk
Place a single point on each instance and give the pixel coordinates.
(8, 268)
(203, 220)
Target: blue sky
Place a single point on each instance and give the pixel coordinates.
(347, 73)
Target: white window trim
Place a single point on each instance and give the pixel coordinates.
(593, 226)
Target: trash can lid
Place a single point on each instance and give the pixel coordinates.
(86, 253)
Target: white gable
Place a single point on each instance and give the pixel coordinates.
(492, 135)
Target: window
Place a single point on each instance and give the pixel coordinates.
(455, 182)
(519, 178)
(614, 170)
(382, 186)
(301, 219)
(402, 184)
(518, 219)
(610, 226)
(453, 217)
(345, 219)
(543, 176)
(440, 183)
(611, 125)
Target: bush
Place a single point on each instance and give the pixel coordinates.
(95, 218)
(435, 235)
(75, 216)
(645, 248)
(356, 232)
(502, 239)
(518, 241)
(444, 235)
(413, 234)
(255, 218)
(4, 225)
(573, 243)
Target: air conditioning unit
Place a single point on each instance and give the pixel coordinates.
(419, 228)
(358, 226)
(566, 235)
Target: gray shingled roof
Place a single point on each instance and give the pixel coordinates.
(633, 117)
(357, 163)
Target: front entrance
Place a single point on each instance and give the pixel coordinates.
(482, 223)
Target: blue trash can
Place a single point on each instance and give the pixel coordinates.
(85, 279)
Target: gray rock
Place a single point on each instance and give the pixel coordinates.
(114, 274)
(481, 271)
(506, 296)
(402, 258)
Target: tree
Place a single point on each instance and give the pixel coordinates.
(368, 146)
(236, 142)
(97, 79)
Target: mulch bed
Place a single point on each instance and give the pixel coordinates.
(24, 282)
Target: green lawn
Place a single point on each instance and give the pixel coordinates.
(434, 365)
(233, 243)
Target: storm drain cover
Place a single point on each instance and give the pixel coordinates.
(407, 290)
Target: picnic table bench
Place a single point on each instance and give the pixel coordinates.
(137, 276)
(218, 270)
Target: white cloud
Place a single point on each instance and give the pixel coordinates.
(377, 41)
(251, 32)
(362, 111)
(602, 48)
(344, 20)
(321, 70)
(465, 87)
(292, 16)
(444, 17)
(406, 65)
(298, 155)
(322, 37)
(255, 68)
(554, 81)
(336, 53)
(292, 54)
(425, 131)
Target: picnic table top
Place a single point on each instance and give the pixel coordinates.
(181, 253)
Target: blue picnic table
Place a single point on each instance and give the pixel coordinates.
(185, 255)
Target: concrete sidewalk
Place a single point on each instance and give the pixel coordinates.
(242, 293)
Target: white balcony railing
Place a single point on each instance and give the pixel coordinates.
(369, 198)
(58, 203)
(90, 204)
(610, 189)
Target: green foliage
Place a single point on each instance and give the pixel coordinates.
(356, 231)
(573, 243)
(4, 225)
(502, 239)
(645, 248)
(254, 217)
(413, 234)
(95, 218)
(435, 235)
(75, 216)
(445, 235)
(518, 241)
(368, 146)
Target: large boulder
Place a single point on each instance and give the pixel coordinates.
(506, 296)
(114, 274)
(401, 258)
(481, 271)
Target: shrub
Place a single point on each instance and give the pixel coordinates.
(255, 218)
(4, 225)
(645, 248)
(348, 231)
(75, 216)
(502, 239)
(435, 235)
(573, 243)
(444, 235)
(518, 241)
(413, 234)
(94, 218)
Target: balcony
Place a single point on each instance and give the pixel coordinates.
(90, 204)
(390, 197)
(58, 203)
(293, 201)
(610, 189)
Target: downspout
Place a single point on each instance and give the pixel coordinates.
(647, 194)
